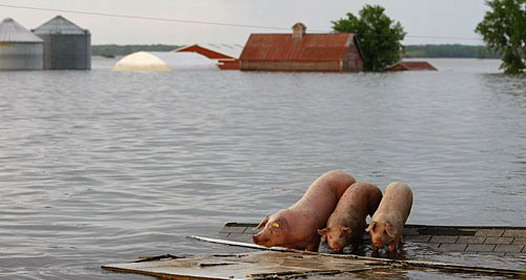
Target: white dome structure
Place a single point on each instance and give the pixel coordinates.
(163, 62)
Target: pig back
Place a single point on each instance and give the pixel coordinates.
(325, 192)
(360, 198)
(397, 199)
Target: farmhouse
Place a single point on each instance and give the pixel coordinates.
(299, 51)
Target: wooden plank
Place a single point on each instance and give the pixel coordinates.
(239, 244)
(255, 265)
(282, 263)
(438, 237)
(381, 261)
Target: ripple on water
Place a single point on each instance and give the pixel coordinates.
(100, 167)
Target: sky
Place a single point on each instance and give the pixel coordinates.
(425, 21)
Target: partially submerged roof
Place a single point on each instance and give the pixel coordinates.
(222, 50)
(11, 31)
(60, 25)
(310, 47)
(163, 62)
(411, 66)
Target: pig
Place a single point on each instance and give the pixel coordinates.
(387, 224)
(346, 225)
(296, 226)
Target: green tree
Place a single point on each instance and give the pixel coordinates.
(504, 30)
(378, 35)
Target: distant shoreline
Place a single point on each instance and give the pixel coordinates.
(411, 51)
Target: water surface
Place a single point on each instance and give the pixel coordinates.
(99, 167)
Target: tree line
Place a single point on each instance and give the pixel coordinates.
(410, 51)
(449, 51)
(503, 29)
(113, 50)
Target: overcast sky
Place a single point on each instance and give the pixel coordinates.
(446, 21)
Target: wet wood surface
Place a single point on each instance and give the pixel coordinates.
(255, 265)
(500, 241)
(281, 263)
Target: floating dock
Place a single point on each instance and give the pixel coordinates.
(279, 263)
(499, 241)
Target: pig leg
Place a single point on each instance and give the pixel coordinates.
(354, 247)
(393, 246)
(375, 249)
(375, 252)
(313, 245)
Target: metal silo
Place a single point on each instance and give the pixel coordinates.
(66, 45)
(19, 48)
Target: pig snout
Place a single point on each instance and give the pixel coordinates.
(377, 243)
(336, 249)
(256, 238)
(262, 239)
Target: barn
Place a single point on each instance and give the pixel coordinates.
(299, 51)
(225, 55)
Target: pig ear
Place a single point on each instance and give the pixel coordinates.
(391, 231)
(323, 232)
(263, 223)
(371, 227)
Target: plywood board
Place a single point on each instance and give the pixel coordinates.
(256, 265)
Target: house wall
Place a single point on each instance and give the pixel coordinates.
(322, 66)
(229, 64)
(353, 61)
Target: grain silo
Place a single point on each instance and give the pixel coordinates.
(19, 48)
(66, 45)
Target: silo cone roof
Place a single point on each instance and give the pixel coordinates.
(59, 25)
(12, 32)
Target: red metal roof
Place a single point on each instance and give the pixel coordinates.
(411, 66)
(311, 47)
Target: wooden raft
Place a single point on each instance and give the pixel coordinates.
(281, 263)
(255, 265)
(498, 241)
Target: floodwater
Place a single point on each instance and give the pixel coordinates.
(98, 167)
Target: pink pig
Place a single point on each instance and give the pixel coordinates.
(296, 227)
(346, 224)
(387, 223)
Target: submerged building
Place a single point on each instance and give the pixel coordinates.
(66, 45)
(299, 51)
(225, 55)
(411, 66)
(19, 48)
